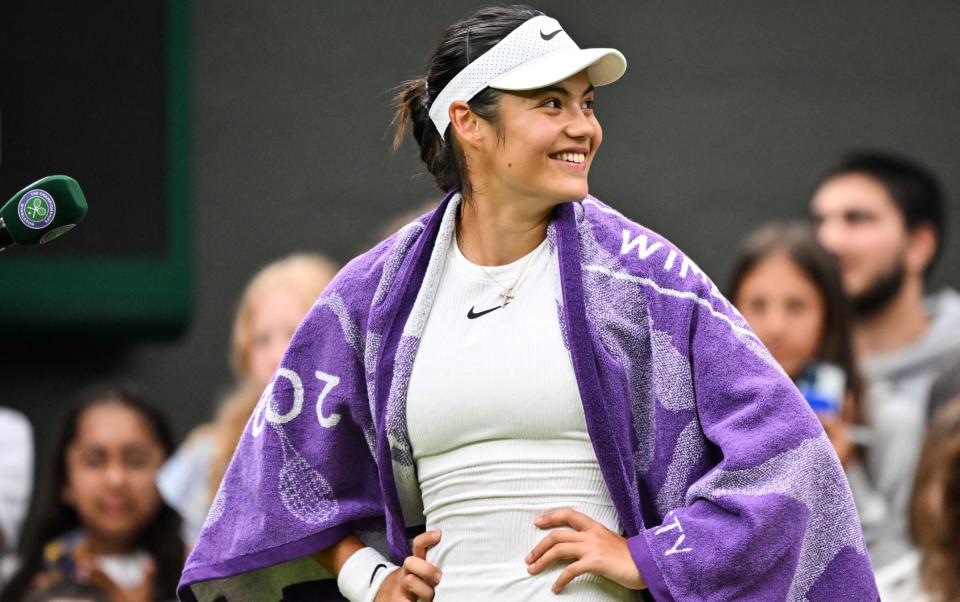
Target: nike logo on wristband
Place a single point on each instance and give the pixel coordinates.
(472, 315)
(549, 36)
(375, 571)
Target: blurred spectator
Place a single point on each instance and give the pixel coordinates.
(102, 522)
(788, 288)
(272, 306)
(882, 216)
(16, 485)
(935, 514)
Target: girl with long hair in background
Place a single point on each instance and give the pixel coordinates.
(788, 288)
(271, 307)
(101, 521)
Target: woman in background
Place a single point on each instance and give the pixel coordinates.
(788, 288)
(270, 309)
(102, 522)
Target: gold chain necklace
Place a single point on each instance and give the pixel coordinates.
(507, 295)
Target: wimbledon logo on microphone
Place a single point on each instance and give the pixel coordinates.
(37, 209)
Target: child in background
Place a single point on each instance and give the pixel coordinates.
(787, 287)
(789, 290)
(270, 309)
(103, 522)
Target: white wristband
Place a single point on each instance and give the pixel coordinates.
(362, 575)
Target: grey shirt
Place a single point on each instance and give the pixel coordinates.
(898, 389)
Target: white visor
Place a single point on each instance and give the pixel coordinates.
(536, 54)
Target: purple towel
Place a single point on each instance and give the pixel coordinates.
(722, 477)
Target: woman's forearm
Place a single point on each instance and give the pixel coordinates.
(334, 557)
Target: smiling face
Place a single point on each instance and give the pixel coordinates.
(541, 146)
(111, 465)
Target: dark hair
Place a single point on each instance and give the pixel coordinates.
(160, 538)
(914, 189)
(937, 480)
(799, 243)
(459, 45)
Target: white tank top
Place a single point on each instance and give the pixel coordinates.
(498, 432)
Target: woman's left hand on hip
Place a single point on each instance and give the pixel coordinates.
(592, 547)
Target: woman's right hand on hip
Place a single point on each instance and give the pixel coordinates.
(417, 578)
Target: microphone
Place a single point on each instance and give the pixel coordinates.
(41, 212)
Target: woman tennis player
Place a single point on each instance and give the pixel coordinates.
(547, 397)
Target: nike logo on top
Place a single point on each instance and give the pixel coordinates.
(549, 36)
(471, 315)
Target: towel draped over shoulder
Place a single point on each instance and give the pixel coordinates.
(723, 480)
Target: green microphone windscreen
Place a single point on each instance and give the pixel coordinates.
(42, 211)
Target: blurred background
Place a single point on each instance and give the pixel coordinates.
(213, 137)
